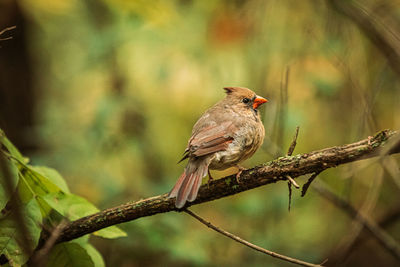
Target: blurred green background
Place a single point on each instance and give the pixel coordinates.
(107, 92)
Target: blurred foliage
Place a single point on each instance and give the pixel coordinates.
(44, 202)
(119, 85)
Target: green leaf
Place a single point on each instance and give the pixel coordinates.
(11, 237)
(83, 240)
(5, 196)
(52, 175)
(24, 192)
(74, 207)
(94, 255)
(10, 147)
(53, 217)
(71, 206)
(37, 182)
(69, 254)
(111, 232)
(34, 184)
(92, 251)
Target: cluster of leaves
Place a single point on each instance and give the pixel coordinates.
(44, 201)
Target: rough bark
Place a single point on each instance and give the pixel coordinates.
(383, 143)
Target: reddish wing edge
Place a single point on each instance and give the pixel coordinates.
(205, 142)
(209, 140)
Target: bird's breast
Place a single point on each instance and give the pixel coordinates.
(246, 140)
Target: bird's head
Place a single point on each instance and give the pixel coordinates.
(244, 97)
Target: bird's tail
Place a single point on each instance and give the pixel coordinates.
(188, 184)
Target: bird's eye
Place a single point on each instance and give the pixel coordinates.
(246, 100)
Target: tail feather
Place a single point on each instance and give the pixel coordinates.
(197, 183)
(184, 191)
(188, 184)
(177, 186)
(193, 191)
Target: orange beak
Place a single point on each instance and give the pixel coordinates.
(259, 101)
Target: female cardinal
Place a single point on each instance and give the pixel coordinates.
(226, 134)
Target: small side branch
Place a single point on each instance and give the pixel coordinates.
(6, 30)
(309, 181)
(248, 244)
(40, 257)
(294, 142)
(291, 181)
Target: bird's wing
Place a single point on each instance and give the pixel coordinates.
(210, 139)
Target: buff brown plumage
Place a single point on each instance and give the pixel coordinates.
(226, 134)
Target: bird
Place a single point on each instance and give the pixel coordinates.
(226, 134)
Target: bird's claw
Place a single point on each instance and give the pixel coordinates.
(241, 169)
(238, 176)
(370, 138)
(210, 178)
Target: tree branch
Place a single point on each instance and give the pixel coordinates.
(248, 244)
(383, 143)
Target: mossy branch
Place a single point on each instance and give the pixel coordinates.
(384, 143)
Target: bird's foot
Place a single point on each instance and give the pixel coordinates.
(241, 169)
(210, 178)
(370, 138)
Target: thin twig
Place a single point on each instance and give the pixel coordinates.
(291, 181)
(294, 142)
(309, 181)
(5, 30)
(282, 113)
(290, 195)
(40, 257)
(246, 243)
(380, 235)
(5, 39)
